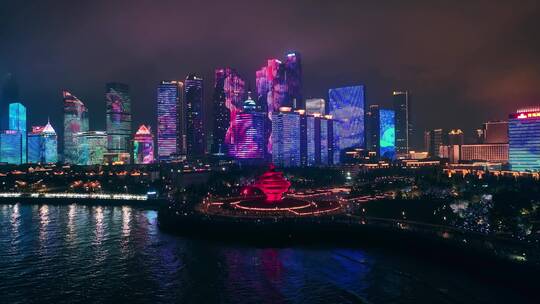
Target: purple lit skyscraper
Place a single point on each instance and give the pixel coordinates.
(293, 75)
(229, 90)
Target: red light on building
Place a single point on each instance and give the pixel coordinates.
(273, 184)
(528, 115)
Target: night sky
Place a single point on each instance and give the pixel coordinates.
(463, 62)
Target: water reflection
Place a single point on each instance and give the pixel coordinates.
(43, 223)
(71, 235)
(15, 220)
(102, 256)
(126, 219)
(98, 217)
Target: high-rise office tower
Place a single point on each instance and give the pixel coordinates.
(313, 140)
(524, 139)
(403, 121)
(346, 105)
(434, 139)
(456, 137)
(17, 122)
(315, 106)
(11, 147)
(171, 124)
(271, 92)
(387, 134)
(75, 121)
(373, 123)
(43, 144)
(118, 117)
(247, 140)
(143, 146)
(229, 91)
(495, 132)
(286, 131)
(293, 76)
(194, 99)
(91, 147)
(326, 140)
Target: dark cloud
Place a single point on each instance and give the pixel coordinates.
(464, 62)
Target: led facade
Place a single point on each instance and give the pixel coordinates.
(293, 76)
(17, 122)
(171, 124)
(75, 121)
(11, 147)
(247, 139)
(143, 146)
(118, 117)
(91, 147)
(43, 145)
(387, 135)
(524, 141)
(229, 91)
(315, 106)
(346, 105)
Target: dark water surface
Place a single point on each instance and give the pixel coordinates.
(89, 254)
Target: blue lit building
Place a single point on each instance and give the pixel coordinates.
(43, 145)
(17, 122)
(11, 144)
(387, 134)
(313, 140)
(346, 105)
(171, 124)
(286, 138)
(524, 139)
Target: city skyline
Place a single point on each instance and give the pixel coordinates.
(440, 76)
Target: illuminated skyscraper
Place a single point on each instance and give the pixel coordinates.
(247, 138)
(346, 105)
(143, 146)
(403, 121)
(91, 147)
(194, 99)
(387, 134)
(313, 140)
(315, 106)
(75, 121)
(118, 117)
(171, 115)
(293, 75)
(373, 125)
(286, 138)
(524, 139)
(17, 122)
(327, 140)
(43, 144)
(271, 92)
(229, 91)
(11, 147)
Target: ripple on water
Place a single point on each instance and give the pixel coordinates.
(75, 253)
